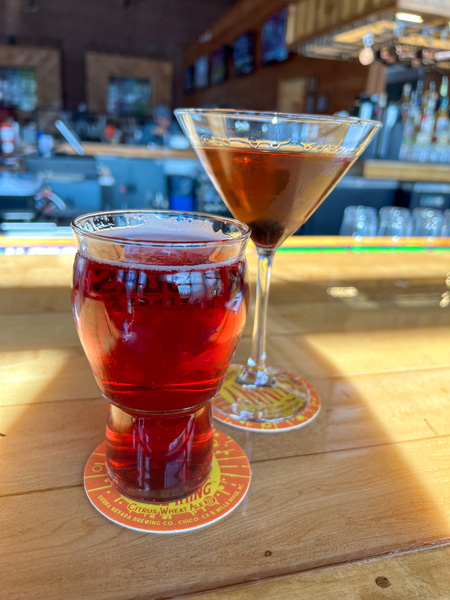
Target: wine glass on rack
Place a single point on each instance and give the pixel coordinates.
(272, 170)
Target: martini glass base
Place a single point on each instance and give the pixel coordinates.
(284, 397)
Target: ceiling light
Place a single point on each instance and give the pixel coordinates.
(205, 37)
(366, 56)
(443, 55)
(401, 16)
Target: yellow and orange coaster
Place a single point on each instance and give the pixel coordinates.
(222, 492)
(230, 390)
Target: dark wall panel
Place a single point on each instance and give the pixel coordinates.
(149, 28)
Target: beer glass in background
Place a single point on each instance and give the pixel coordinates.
(159, 301)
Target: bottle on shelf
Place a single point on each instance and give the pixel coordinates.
(430, 99)
(443, 123)
(393, 126)
(405, 100)
(410, 119)
(419, 102)
(390, 136)
(416, 127)
(415, 151)
(419, 93)
(426, 131)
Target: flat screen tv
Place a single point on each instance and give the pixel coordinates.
(273, 38)
(244, 53)
(201, 73)
(219, 60)
(18, 87)
(128, 96)
(189, 80)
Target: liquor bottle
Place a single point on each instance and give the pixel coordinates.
(405, 100)
(390, 137)
(380, 105)
(419, 91)
(431, 95)
(414, 121)
(425, 135)
(442, 134)
(380, 101)
(418, 105)
(411, 125)
(430, 99)
(396, 146)
(442, 116)
(364, 107)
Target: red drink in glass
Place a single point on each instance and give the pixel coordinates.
(159, 327)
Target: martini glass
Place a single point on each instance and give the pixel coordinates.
(272, 170)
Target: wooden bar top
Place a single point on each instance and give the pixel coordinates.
(354, 506)
(406, 171)
(129, 151)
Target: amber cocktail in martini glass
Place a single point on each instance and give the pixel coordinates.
(272, 170)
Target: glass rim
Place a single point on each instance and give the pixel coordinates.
(245, 230)
(268, 115)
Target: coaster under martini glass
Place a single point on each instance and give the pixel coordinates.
(242, 400)
(223, 491)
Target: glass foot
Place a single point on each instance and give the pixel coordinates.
(284, 397)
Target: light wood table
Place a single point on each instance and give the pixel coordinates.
(354, 506)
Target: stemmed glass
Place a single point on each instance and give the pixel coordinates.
(359, 221)
(394, 222)
(427, 222)
(272, 170)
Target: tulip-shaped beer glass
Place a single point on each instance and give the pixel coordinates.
(159, 301)
(272, 170)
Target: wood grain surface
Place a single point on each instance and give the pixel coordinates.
(354, 506)
(412, 576)
(129, 151)
(406, 171)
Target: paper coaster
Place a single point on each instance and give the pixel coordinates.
(308, 414)
(222, 492)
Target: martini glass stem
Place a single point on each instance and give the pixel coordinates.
(255, 373)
